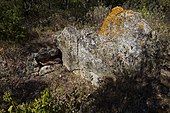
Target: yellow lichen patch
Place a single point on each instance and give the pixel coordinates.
(113, 21)
(140, 26)
(110, 18)
(129, 11)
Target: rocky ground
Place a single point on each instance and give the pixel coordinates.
(25, 76)
(28, 68)
(140, 95)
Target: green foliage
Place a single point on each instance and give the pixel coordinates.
(47, 103)
(10, 21)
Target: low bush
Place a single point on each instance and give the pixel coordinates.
(11, 22)
(48, 102)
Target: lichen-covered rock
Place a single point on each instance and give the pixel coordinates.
(80, 53)
(126, 45)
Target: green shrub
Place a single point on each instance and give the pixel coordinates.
(46, 103)
(10, 22)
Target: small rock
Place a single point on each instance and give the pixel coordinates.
(48, 54)
(46, 69)
(165, 77)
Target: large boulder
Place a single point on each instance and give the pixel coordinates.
(125, 46)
